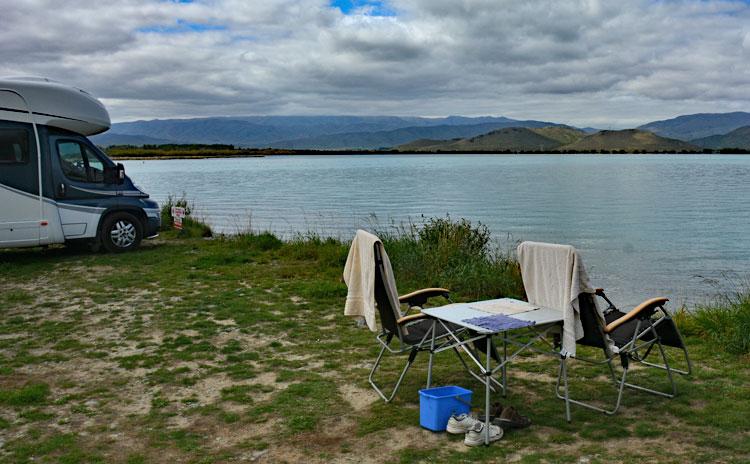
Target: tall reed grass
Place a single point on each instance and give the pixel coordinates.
(455, 254)
(439, 252)
(725, 322)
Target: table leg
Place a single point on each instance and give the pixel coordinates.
(487, 374)
(505, 358)
(564, 375)
(432, 349)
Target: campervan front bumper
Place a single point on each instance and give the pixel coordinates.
(153, 223)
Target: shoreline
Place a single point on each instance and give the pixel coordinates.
(268, 153)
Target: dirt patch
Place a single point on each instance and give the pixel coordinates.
(207, 390)
(136, 401)
(333, 442)
(227, 436)
(92, 270)
(359, 399)
(223, 322)
(526, 375)
(650, 449)
(247, 341)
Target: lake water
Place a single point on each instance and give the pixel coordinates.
(647, 225)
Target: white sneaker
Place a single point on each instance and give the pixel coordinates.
(475, 436)
(460, 424)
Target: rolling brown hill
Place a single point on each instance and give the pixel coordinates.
(506, 139)
(629, 140)
(564, 135)
(738, 138)
(553, 138)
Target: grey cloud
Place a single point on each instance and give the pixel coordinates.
(584, 61)
(373, 44)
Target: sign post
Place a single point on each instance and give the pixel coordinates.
(177, 214)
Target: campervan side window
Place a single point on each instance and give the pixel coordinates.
(14, 146)
(79, 162)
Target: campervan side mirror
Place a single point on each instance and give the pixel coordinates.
(114, 175)
(120, 173)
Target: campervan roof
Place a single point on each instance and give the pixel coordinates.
(52, 104)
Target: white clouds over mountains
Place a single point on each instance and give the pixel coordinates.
(582, 62)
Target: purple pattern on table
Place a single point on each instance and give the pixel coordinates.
(498, 322)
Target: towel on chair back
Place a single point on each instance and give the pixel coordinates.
(359, 276)
(553, 276)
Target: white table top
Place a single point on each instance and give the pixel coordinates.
(456, 313)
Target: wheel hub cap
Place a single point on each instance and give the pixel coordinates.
(123, 234)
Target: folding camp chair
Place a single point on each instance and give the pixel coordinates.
(634, 335)
(413, 332)
(555, 273)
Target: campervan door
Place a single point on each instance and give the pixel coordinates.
(21, 203)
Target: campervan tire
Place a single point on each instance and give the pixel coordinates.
(121, 232)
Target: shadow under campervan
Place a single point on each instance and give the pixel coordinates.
(55, 185)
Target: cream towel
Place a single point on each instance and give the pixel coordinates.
(554, 276)
(359, 276)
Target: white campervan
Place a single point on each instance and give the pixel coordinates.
(55, 185)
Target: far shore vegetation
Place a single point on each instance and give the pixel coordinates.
(205, 348)
(179, 151)
(197, 151)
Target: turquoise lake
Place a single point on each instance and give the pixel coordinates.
(647, 225)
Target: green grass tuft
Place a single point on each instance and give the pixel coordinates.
(263, 241)
(29, 395)
(727, 324)
(238, 393)
(16, 297)
(304, 404)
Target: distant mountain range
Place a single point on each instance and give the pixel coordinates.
(557, 138)
(378, 132)
(311, 132)
(112, 138)
(391, 138)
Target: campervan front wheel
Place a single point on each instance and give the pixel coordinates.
(121, 232)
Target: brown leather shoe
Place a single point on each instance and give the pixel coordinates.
(511, 419)
(495, 411)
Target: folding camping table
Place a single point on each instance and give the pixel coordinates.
(520, 324)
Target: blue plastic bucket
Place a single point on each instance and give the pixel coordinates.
(436, 405)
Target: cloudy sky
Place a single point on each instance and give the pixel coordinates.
(586, 62)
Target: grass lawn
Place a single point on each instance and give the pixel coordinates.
(237, 350)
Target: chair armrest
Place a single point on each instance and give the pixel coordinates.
(420, 297)
(412, 317)
(642, 308)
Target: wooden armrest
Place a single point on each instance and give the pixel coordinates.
(412, 317)
(420, 297)
(646, 305)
